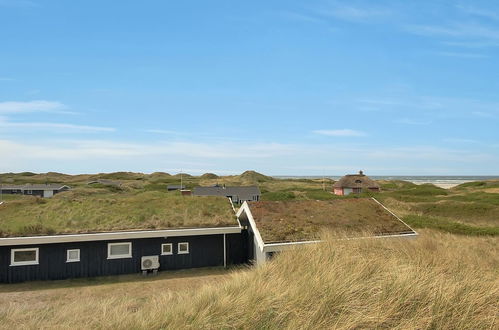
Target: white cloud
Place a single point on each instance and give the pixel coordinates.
(78, 156)
(340, 132)
(55, 127)
(461, 55)
(460, 140)
(474, 11)
(457, 30)
(409, 121)
(14, 107)
(160, 131)
(301, 17)
(354, 13)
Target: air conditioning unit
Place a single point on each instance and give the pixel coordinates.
(150, 262)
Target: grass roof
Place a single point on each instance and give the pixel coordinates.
(98, 210)
(285, 221)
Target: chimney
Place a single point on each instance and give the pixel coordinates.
(361, 173)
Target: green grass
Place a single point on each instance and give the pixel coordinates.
(94, 210)
(278, 196)
(449, 226)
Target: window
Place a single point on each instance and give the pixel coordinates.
(119, 250)
(29, 192)
(73, 255)
(183, 248)
(21, 257)
(166, 249)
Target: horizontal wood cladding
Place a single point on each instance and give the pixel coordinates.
(204, 251)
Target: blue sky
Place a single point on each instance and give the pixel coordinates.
(281, 87)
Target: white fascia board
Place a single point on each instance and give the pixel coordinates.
(276, 247)
(11, 241)
(245, 208)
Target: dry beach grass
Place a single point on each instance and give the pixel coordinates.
(437, 281)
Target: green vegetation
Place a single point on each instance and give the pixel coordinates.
(282, 221)
(92, 210)
(473, 204)
(438, 281)
(449, 226)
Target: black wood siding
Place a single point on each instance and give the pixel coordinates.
(204, 251)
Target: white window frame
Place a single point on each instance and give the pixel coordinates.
(72, 260)
(167, 253)
(119, 256)
(183, 252)
(24, 263)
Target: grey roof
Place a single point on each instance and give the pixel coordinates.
(29, 186)
(242, 192)
(175, 186)
(106, 182)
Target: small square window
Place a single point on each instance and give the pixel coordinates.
(166, 249)
(21, 257)
(119, 250)
(73, 255)
(183, 248)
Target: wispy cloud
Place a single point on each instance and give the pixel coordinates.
(302, 17)
(460, 140)
(457, 30)
(55, 127)
(354, 13)
(15, 107)
(472, 44)
(461, 54)
(279, 158)
(340, 132)
(475, 11)
(408, 121)
(161, 131)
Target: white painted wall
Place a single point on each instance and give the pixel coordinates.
(347, 191)
(48, 193)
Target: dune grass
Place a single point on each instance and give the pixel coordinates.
(443, 224)
(437, 281)
(95, 210)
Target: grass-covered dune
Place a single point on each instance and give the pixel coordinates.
(470, 208)
(96, 210)
(436, 281)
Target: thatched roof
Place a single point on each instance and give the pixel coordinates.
(356, 181)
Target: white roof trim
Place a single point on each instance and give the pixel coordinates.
(245, 208)
(10, 241)
(374, 199)
(275, 247)
(271, 247)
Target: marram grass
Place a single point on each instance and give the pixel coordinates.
(436, 281)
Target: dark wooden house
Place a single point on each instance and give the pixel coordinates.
(41, 190)
(237, 194)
